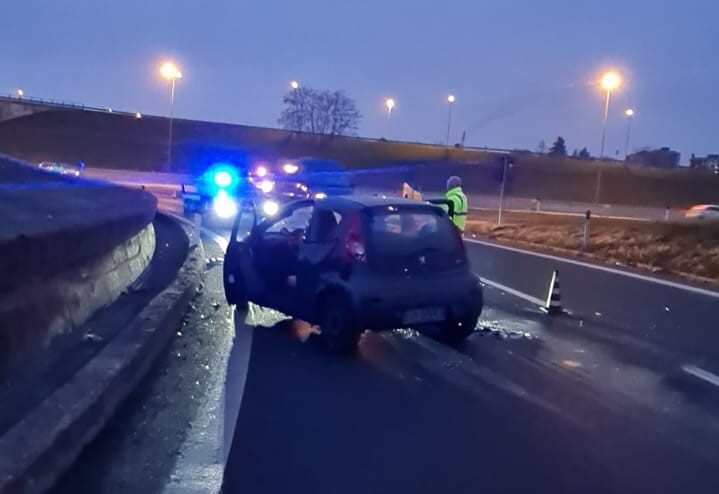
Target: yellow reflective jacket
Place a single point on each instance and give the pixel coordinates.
(459, 201)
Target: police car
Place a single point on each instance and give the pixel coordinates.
(267, 184)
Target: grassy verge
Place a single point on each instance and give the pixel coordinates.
(687, 250)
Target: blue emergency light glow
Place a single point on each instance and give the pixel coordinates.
(222, 176)
(223, 179)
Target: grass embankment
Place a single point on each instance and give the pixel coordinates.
(688, 250)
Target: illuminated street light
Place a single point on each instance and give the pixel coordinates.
(629, 113)
(389, 103)
(294, 85)
(138, 115)
(450, 100)
(610, 81)
(20, 93)
(170, 72)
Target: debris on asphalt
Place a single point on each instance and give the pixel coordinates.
(92, 338)
(211, 262)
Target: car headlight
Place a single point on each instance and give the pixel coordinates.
(266, 186)
(224, 206)
(270, 208)
(320, 195)
(290, 168)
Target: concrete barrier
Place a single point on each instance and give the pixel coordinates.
(42, 307)
(67, 248)
(47, 441)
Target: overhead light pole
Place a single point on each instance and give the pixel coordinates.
(170, 72)
(630, 115)
(450, 100)
(610, 81)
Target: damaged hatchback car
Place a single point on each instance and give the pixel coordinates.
(350, 264)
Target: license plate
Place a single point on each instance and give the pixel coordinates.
(423, 315)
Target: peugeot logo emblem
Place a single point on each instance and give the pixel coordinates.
(422, 260)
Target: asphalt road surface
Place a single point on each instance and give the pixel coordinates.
(620, 395)
(532, 403)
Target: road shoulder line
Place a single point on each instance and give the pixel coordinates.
(606, 269)
(512, 291)
(700, 373)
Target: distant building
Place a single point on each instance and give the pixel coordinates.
(657, 158)
(710, 162)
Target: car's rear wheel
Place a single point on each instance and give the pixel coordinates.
(457, 330)
(336, 329)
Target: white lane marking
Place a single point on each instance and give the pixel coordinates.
(200, 468)
(234, 389)
(512, 291)
(701, 374)
(629, 274)
(218, 239)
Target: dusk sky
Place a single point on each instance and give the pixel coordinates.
(522, 70)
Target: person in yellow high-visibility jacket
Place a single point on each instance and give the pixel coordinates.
(459, 201)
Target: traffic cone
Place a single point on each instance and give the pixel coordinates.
(554, 298)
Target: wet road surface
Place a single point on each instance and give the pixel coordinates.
(528, 404)
(587, 402)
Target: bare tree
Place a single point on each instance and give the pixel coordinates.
(319, 112)
(541, 147)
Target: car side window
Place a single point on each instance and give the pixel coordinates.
(298, 219)
(244, 223)
(323, 225)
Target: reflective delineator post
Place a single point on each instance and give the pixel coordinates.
(585, 237)
(553, 305)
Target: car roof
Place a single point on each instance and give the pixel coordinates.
(369, 201)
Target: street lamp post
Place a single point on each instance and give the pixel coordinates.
(170, 72)
(610, 81)
(450, 100)
(629, 113)
(389, 104)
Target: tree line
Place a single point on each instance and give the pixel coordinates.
(558, 149)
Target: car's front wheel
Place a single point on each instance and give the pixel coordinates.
(336, 328)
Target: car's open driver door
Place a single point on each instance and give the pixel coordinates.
(240, 277)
